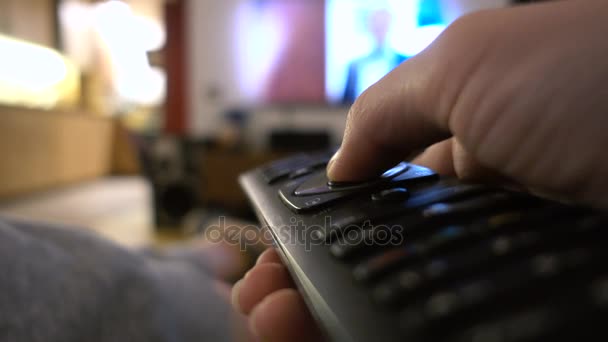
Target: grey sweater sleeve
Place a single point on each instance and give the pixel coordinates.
(61, 284)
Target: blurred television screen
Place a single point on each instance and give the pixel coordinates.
(330, 51)
(367, 39)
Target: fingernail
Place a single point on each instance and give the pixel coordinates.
(330, 164)
(253, 321)
(254, 330)
(235, 296)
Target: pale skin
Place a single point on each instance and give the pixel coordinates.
(517, 96)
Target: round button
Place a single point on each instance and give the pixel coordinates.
(318, 184)
(315, 185)
(394, 194)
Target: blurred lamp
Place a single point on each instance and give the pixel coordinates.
(127, 31)
(128, 38)
(35, 76)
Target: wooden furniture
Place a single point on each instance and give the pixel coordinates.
(220, 170)
(40, 150)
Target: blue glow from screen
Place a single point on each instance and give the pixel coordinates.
(365, 39)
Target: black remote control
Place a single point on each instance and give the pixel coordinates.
(412, 256)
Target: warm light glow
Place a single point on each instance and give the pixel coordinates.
(29, 66)
(128, 38)
(147, 88)
(34, 76)
(77, 32)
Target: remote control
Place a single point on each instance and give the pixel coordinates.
(412, 256)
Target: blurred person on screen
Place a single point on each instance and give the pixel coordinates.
(367, 70)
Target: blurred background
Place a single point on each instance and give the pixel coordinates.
(134, 118)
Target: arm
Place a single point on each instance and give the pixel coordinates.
(61, 284)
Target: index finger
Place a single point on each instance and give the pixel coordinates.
(408, 109)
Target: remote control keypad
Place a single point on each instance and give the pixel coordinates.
(455, 261)
(315, 190)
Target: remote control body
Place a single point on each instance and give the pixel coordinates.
(414, 256)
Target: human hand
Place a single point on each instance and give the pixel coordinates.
(515, 95)
(275, 308)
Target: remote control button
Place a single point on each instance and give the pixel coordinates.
(387, 175)
(307, 203)
(390, 293)
(282, 168)
(355, 242)
(378, 211)
(463, 303)
(477, 205)
(383, 263)
(396, 170)
(315, 185)
(319, 234)
(286, 167)
(403, 255)
(341, 186)
(529, 278)
(485, 256)
(391, 195)
(447, 238)
(273, 175)
(405, 285)
(415, 173)
(493, 254)
(444, 193)
(401, 174)
(366, 240)
(301, 172)
(302, 204)
(343, 224)
(320, 159)
(319, 184)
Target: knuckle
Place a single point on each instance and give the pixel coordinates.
(467, 26)
(269, 269)
(467, 47)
